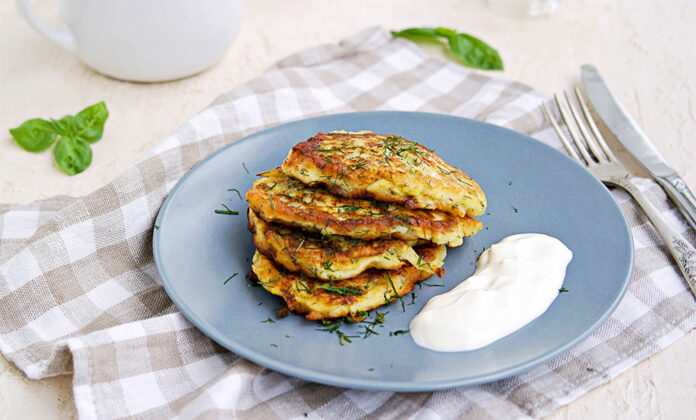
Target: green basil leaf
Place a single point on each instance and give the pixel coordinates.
(430, 32)
(446, 32)
(64, 125)
(72, 155)
(34, 135)
(88, 124)
(475, 53)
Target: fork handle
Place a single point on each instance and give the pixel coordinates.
(683, 253)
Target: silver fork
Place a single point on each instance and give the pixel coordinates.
(601, 162)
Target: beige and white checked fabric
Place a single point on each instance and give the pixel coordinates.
(79, 290)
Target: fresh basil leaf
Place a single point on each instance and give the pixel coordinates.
(446, 32)
(34, 135)
(88, 124)
(72, 155)
(64, 125)
(475, 53)
(431, 32)
(468, 49)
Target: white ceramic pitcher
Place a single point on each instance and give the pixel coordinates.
(144, 40)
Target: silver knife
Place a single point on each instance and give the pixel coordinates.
(630, 135)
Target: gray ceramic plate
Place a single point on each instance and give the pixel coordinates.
(530, 188)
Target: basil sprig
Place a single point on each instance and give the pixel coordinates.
(468, 49)
(72, 155)
(74, 133)
(35, 135)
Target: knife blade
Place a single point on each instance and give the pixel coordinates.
(631, 136)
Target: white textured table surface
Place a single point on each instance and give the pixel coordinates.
(644, 50)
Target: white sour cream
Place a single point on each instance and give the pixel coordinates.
(515, 281)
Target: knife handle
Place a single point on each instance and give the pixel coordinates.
(682, 251)
(681, 196)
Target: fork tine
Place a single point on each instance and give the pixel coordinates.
(586, 136)
(593, 127)
(573, 134)
(560, 134)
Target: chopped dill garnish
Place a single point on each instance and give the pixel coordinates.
(268, 321)
(347, 208)
(396, 294)
(367, 331)
(332, 326)
(563, 290)
(443, 170)
(390, 282)
(515, 209)
(271, 201)
(156, 226)
(327, 264)
(301, 286)
(357, 165)
(289, 336)
(343, 291)
(263, 283)
(361, 315)
(343, 337)
(367, 326)
(398, 332)
(227, 210)
(299, 246)
(245, 168)
(274, 345)
(230, 277)
(237, 191)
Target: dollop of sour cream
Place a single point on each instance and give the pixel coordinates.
(515, 281)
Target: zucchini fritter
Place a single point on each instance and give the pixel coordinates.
(278, 198)
(320, 299)
(333, 258)
(385, 168)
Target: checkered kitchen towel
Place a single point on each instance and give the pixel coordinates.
(79, 290)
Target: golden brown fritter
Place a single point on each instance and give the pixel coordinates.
(333, 258)
(321, 299)
(385, 168)
(278, 198)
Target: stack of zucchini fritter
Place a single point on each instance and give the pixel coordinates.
(352, 221)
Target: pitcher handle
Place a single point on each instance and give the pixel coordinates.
(62, 36)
